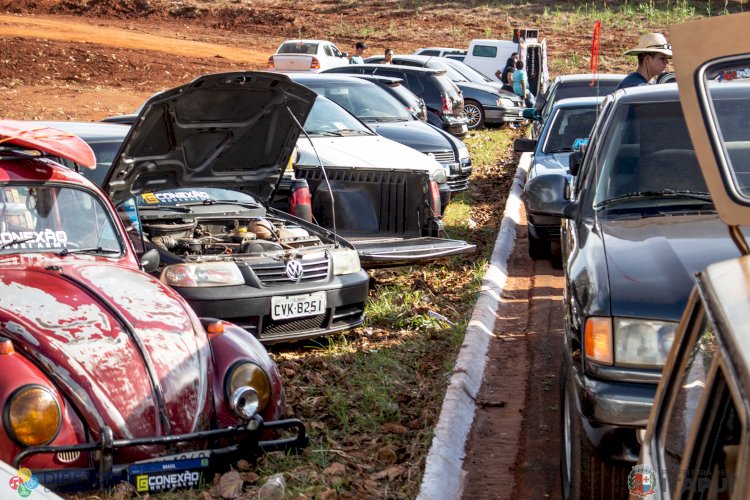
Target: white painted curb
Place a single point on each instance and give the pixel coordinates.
(443, 475)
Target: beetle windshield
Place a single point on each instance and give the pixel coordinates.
(647, 153)
(36, 219)
(566, 126)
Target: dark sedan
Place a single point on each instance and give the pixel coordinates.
(388, 118)
(395, 86)
(483, 102)
(638, 224)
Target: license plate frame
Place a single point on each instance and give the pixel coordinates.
(298, 306)
(165, 475)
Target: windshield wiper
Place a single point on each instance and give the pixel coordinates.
(220, 202)
(15, 241)
(382, 119)
(67, 251)
(666, 193)
(350, 131)
(560, 150)
(173, 208)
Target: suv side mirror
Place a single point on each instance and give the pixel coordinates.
(545, 195)
(150, 260)
(574, 162)
(522, 145)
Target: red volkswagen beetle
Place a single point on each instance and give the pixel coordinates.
(108, 375)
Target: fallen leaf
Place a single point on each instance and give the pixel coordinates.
(394, 428)
(336, 469)
(230, 485)
(387, 455)
(249, 477)
(327, 495)
(243, 465)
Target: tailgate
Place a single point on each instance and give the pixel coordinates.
(385, 214)
(386, 252)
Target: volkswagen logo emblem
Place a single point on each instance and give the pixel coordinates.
(294, 270)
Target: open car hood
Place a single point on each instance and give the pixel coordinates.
(230, 130)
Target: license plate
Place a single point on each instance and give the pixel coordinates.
(298, 306)
(167, 475)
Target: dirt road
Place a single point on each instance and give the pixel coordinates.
(513, 450)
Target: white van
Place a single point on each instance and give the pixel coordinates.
(489, 55)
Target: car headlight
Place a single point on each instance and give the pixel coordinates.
(345, 261)
(507, 103)
(202, 274)
(247, 374)
(463, 153)
(33, 416)
(440, 176)
(641, 342)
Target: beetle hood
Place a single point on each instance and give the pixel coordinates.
(231, 130)
(136, 362)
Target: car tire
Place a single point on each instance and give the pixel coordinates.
(539, 249)
(475, 113)
(582, 474)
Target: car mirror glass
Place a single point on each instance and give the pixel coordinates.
(150, 260)
(545, 195)
(522, 145)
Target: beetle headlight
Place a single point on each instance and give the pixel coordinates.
(33, 416)
(643, 342)
(202, 274)
(247, 374)
(440, 176)
(345, 261)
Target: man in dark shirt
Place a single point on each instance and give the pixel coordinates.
(653, 53)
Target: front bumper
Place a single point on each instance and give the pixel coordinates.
(612, 413)
(458, 175)
(183, 470)
(455, 125)
(503, 115)
(250, 308)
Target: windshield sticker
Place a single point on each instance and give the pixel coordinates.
(175, 197)
(34, 239)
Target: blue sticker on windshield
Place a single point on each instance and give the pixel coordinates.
(579, 143)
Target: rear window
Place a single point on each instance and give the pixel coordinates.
(484, 51)
(430, 53)
(446, 85)
(298, 48)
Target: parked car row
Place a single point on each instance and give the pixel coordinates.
(642, 207)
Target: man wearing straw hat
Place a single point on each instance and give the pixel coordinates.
(653, 51)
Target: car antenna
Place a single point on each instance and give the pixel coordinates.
(325, 174)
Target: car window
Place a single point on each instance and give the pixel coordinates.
(328, 118)
(366, 102)
(484, 51)
(37, 219)
(691, 385)
(429, 52)
(567, 125)
(450, 71)
(328, 51)
(335, 51)
(414, 83)
(447, 86)
(594, 153)
(648, 150)
(105, 154)
(467, 71)
(298, 48)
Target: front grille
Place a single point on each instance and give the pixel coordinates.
(274, 273)
(67, 457)
(443, 156)
(273, 328)
(458, 184)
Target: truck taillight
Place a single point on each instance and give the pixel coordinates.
(447, 104)
(435, 204)
(315, 63)
(270, 62)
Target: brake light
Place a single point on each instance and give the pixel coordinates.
(315, 63)
(435, 204)
(447, 104)
(300, 204)
(270, 63)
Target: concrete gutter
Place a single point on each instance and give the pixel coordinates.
(443, 476)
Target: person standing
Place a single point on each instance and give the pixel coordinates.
(521, 84)
(388, 56)
(359, 52)
(653, 53)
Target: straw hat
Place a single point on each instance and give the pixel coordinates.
(652, 43)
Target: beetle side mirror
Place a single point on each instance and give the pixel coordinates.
(150, 260)
(545, 195)
(531, 114)
(522, 145)
(574, 162)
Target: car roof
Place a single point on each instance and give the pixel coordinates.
(327, 77)
(378, 78)
(300, 40)
(405, 69)
(572, 102)
(587, 77)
